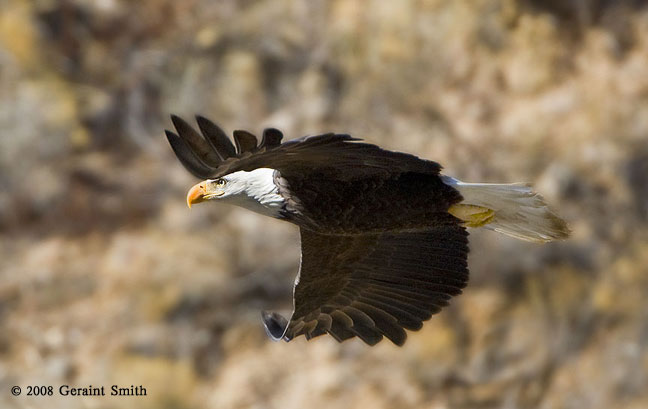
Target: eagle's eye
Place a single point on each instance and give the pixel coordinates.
(220, 182)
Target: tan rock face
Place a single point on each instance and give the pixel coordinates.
(106, 278)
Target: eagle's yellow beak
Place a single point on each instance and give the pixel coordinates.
(196, 194)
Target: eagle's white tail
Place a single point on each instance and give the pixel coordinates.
(513, 209)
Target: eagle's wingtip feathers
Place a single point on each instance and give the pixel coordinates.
(275, 324)
(170, 135)
(177, 121)
(200, 118)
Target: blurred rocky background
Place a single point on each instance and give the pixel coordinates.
(106, 277)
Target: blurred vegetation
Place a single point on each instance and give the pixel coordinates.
(105, 275)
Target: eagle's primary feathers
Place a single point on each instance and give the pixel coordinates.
(383, 234)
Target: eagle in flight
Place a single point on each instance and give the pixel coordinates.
(383, 234)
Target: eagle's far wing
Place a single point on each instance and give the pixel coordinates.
(213, 155)
(374, 285)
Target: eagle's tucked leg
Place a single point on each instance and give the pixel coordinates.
(473, 216)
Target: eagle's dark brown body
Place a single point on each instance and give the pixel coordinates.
(366, 205)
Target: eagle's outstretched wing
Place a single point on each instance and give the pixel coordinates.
(373, 285)
(212, 154)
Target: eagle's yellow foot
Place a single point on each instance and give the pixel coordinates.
(473, 216)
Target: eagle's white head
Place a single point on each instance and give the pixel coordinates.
(254, 190)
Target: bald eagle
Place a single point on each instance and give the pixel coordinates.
(383, 234)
